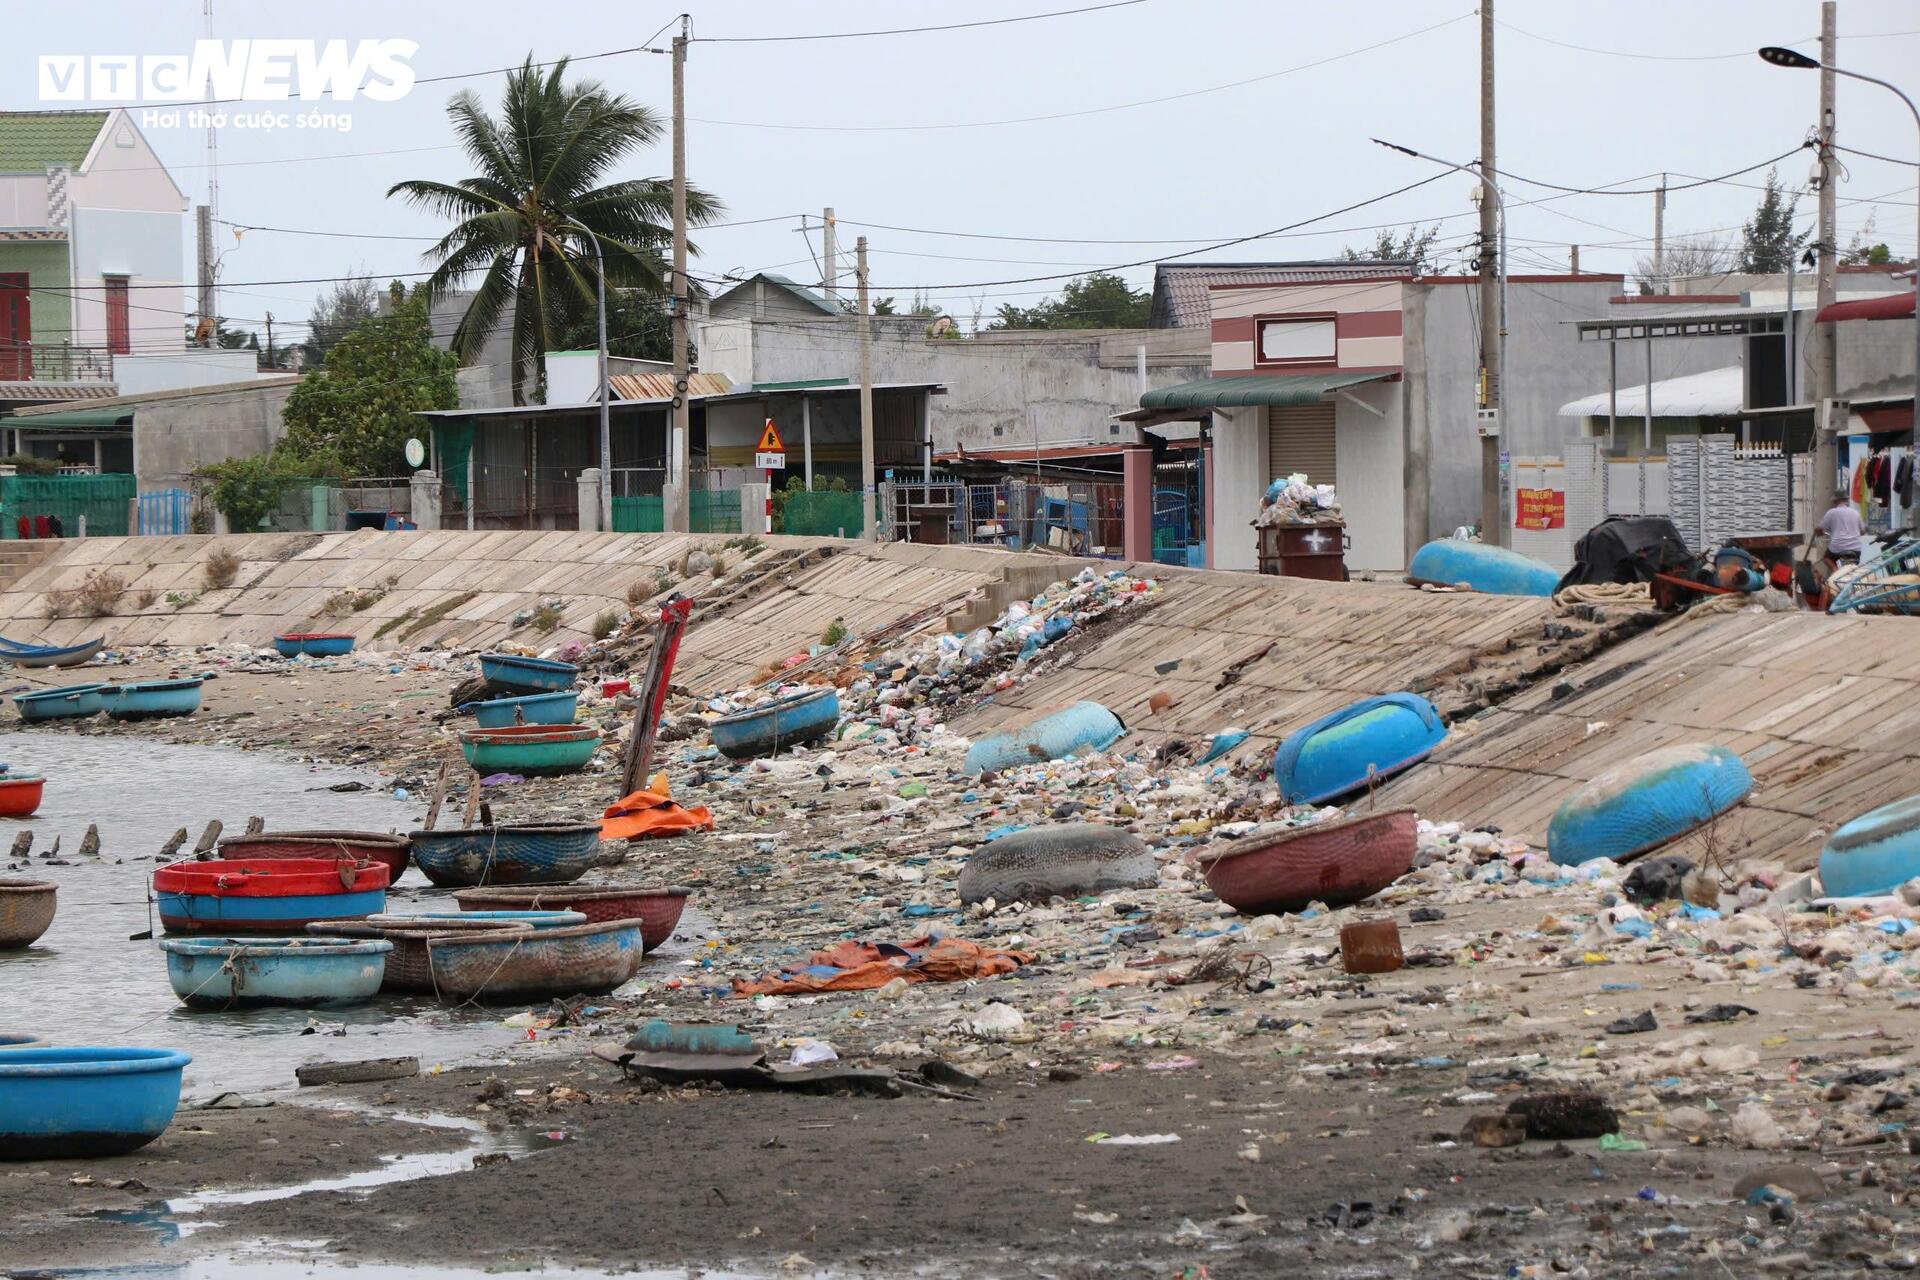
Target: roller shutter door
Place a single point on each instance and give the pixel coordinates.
(1300, 439)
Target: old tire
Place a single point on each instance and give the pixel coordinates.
(1063, 861)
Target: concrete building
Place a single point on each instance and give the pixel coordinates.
(93, 236)
(162, 437)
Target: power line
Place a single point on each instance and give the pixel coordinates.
(359, 235)
(908, 31)
(1649, 191)
(1686, 57)
(1087, 111)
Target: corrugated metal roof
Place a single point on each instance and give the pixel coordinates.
(1255, 389)
(1180, 288)
(799, 291)
(88, 419)
(32, 140)
(1715, 393)
(659, 386)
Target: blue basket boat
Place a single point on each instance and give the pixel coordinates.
(266, 895)
(151, 699)
(260, 973)
(1373, 739)
(532, 708)
(50, 655)
(56, 1103)
(511, 673)
(536, 965)
(1875, 853)
(1496, 571)
(313, 644)
(72, 702)
(785, 722)
(531, 750)
(1646, 803)
(1084, 726)
(532, 919)
(526, 853)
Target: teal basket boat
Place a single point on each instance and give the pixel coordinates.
(1367, 742)
(151, 699)
(785, 722)
(73, 702)
(513, 674)
(1647, 802)
(1496, 571)
(1084, 726)
(531, 750)
(532, 708)
(1875, 853)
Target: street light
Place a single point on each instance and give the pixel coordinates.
(1500, 207)
(1782, 57)
(606, 430)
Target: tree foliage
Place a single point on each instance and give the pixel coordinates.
(357, 411)
(1099, 300)
(335, 314)
(539, 169)
(1414, 244)
(1768, 244)
(639, 325)
(1682, 258)
(1863, 250)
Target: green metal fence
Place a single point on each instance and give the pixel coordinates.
(822, 515)
(714, 511)
(103, 500)
(638, 515)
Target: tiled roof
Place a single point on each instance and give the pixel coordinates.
(30, 141)
(49, 391)
(1180, 288)
(32, 233)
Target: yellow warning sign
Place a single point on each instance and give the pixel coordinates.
(770, 440)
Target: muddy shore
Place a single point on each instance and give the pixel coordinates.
(1318, 1117)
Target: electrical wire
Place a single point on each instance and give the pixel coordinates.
(1687, 57)
(909, 31)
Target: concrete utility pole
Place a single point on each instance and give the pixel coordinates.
(1660, 236)
(1826, 445)
(872, 532)
(207, 330)
(680, 446)
(829, 259)
(1492, 376)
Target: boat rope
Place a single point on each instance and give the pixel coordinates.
(479, 990)
(225, 967)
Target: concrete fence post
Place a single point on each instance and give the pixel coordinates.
(670, 503)
(753, 508)
(590, 514)
(423, 503)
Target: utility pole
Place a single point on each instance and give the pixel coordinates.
(829, 259)
(871, 530)
(206, 332)
(679, 446)
(1573, 257)
(1660, 236)
(1492, 384)
(270, 363)
(1826, 446)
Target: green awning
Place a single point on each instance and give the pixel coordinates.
(69, 419)
(1256, 389)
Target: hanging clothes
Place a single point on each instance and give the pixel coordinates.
(1903, 481)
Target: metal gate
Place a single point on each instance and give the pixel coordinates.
(164, 512)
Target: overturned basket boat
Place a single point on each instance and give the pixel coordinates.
(1481, 566)
(785, 722)
(409, 970)
(1366, 742)
(359, 846)
(1647, 802)
(540, 964)
(1338, 862)
(657, 909)
(525, 853)
(1048, 735)
(1874, 853)
(313, 644)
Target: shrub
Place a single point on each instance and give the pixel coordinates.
(639, 589)
(221, 569)
(144, 600)
(177, 600)
(246, 490)
(836, 632)
(605, 625)
(352, 601)
(545, 618)
(97, 597)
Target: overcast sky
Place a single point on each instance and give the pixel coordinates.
(1658, 86)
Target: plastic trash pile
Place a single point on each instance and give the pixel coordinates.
(1291, 500)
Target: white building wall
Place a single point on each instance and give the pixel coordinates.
(129, 218)
(23, 201)
(1368, 457)
(1239, 470)
(140, 373)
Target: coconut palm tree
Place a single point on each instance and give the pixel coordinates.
(537, 167)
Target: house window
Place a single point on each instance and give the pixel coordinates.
(1294, 340)
(119, 339)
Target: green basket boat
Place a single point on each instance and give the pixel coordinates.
(531, 750)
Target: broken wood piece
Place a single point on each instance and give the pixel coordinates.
(208, 838)
(363, 1072)
(22, 844)
(172, 846)
(439, 794)
(256, 825)
(90, 843)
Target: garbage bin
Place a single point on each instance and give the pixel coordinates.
(1304, 551)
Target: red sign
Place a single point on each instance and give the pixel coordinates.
(1540, 509)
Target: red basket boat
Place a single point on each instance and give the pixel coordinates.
(20, 795)
(1336, 862)
(658, 910)
(266, 895)
(359, 846)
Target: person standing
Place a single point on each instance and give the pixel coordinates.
(1844, 529)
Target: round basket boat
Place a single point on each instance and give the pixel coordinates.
(657, 909)
(266, 895)
(20, 794)
(20, 1040)
(409, 969)
(1048, 735)
(260, 973)
(360, 846)
(1338, 863)
(26, 909)
(1875, 853)
(517, 853)
(58, 1103)
(767, 730)
(1647, 802)
(537, 965)
(1481, 566)
(1358, 745)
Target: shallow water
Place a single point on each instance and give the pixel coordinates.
(85, 982)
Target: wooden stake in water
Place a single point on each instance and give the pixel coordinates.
(172, 846)
(439, 795)
(90, 843)
(207, 838)
(22, 844)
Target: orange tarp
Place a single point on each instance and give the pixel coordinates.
(652, 812)
(862, 966)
